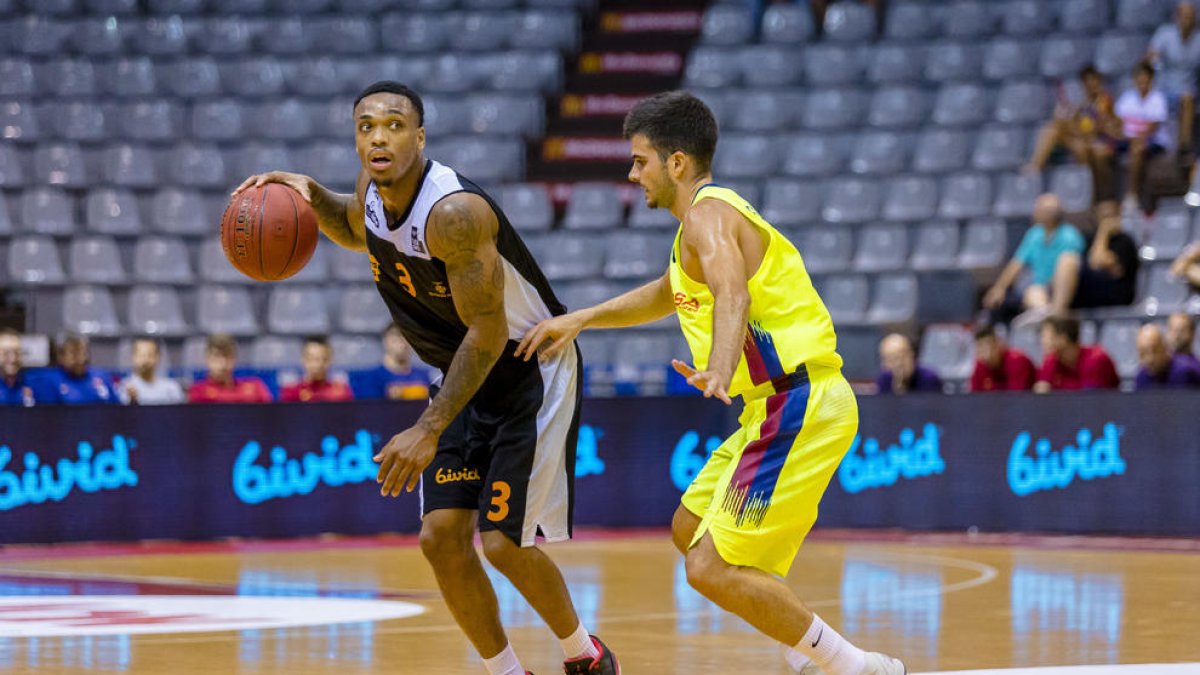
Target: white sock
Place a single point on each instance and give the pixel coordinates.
(504, 663)
(579, 644)
(831, 651)
(795, 660)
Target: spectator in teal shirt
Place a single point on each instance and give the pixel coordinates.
(1044, 243)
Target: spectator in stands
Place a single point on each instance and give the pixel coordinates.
(399, 377)
(1143, 112)
(1187, 266)
(315, 357)
(15, 389)
(1159, 367)
(1106, 276)
(1175, 51)
(999, 367)
(74, 382)
(145, 386)
(221, 386)
(901, 374)
(1181, 336)
(1044, 243)
(1069, 365)
(1088, 129)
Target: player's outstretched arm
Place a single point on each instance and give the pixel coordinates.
(643, 304)
(340, 216)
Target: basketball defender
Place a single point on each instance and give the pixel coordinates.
(495, 449)
(756, 328)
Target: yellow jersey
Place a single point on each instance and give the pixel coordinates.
(788, 324)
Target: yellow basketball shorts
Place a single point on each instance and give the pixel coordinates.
(758, 493)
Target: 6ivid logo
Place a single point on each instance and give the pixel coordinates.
(1047, 469)
(90, 471)
(912, 457)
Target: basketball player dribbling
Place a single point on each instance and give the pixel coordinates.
(756, 328)
(495, 448)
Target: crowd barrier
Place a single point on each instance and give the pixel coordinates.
(1081, 463)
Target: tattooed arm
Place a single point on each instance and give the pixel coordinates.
(462, 234)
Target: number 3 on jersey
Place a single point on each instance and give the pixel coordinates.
(402, 276)
(499, 511)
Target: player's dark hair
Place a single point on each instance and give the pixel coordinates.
(393, 87)
(9, 332)
(1144, 67)
(1088, 71)
(74, 339)
(985, 331)
(322, 340)
(1065, 326)
(221, 344)
(676, 121)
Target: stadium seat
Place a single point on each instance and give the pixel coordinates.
(967, 195)
(223, 35)
(1073, 185)
(297, 310)
(313, 76)
(727, 25)
(846, 296)
(1143, 15)
(764, 110)
(769, 65)
(34, 261)
(89, 310)
(849, 22)
(1016, 194)
(361, 310)
(95, 260)
(911, 21)
(16, 78)
(130, 77)
(1007, 59)
(636, 255)
(111, 7)
(949, 349)
(162, 260)
(834, 109)
(275, 352)
(199, 166)
(47, 210)
(156, 310)
(98, 35)
(787, 24)
(60, 164)
(941, 150)
(1062, 57)
(217, 120)
(175, 6)
(707, 67)
(225, 309)
(180, 211)
(55, 7)
(896, 63)
(900, 107)
(68, 77)
(447, 115)
(827, 248)
(984, 244)
(852, 200)
(6, 224)
(290, 36)
(936, 246)
(12, 170)
(746, 156)
(1023, 102)
(490, 160)
(79, 121)
(641, 215)
(355, 351)
(347, 34)
(1027, 339)
(572, 256)
(834, 64)
(1163, 293)
(893, 299)
(881, 247)
(193, 353)
(1117, 53)
(331, 164)
(132, 166)
(527, 206)
(1028, 17)
(1169, 233)
(880, 152)
(285, 120)
(480, 31)
(112, 211)
(814, 155)
(214, 267)
(159, 36)
(157, 121)
(527, 71)
(18, 123)
(1000, 148)
(969, 19)
(1084, 17)
(1119, 339)
(788, 202)
(507, 115)
(555, 30)
(594, 206)
(911, 198)
(960, 105)
(257, 158)
(257, 77)
(347, 265)
(954, 62)
(415, 32)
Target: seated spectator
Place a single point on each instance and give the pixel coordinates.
(399, 377)
(316, 357)
(220, 355)
(1044, 243)
(1159, 367)
(15, 389)
(74, 382)
(146, 386)
(999, 367)
(1143, 113)
(1069, 365)
(901, 374)
(1106, 276)
(1088, 129)
(1175, 51)
(1181, 336)
(1187, 267)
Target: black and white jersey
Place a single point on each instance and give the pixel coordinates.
(414, 285)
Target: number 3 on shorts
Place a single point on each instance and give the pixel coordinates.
(499, 510)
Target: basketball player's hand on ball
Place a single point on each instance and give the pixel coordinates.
(404, 458)
(707, 381)
(298, 182)
(559, 332)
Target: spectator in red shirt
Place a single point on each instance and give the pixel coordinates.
(316, 357)
(999, 367)
(220, 355)
(1070, 365)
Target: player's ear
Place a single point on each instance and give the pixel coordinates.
(421, 138)
(677, 165)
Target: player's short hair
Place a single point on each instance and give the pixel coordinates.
(675, 121)
(985, 331)
(1089, 70)
(220, 343)
(320, 340)
(1066, 326)
(72, 339)
(5, 331)
(1144, 66)
(393, 87)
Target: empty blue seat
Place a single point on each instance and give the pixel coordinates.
(897, 63)
(217, 120)
(1117, 54)
(297, 310)
(1023, 102)
(112, 211)
(331, 163)
(899, 107)
(706, 67)
(16, 78)
(34, 261)
(962, 105)
(1063, 57)
(911, 198)
(949, 349)
(556, 30)
(89, 310)
(110, 7)
(911, 21)
(834, 64)
(527, 206)
(954, 62)
(846, 296)
(1073, 185)
(255, 158)
(527, 71)
(12, 169)
(198, 166)
(984, 244)
(849, 22)
(893, 299)
(1007, 59)
(852, 200)
(156, 310)
(1086, 17)
(359, 311)
(347, 34)
(452, 73)
(1028, 17)
(880, 152)
(134, 77)
(881, 247)
(507, 114)
(727, 25)
(79, 121)
(745, 156)
(814, 155)
(224, 35)
(98, 35)
(642, 216)
(18, 123)
(1142, 14)
(827, 248)
(39, 34)
(69, 77)
(60, 164)
(160, 36)
(1000, 148)
(966, 195)
(787, 24)
(1162, 293)
(834, 109)
(480, 31)
(572, 256)
(936, 246)
(180, 211)
(95, 260)
(769, 65)
(969, 19)
(489, 160)
(175, 6)
(225, 309)
(197, 77)
(594, 206)
(637, 255)
(764, 110)
(162, 260)
(941, 150)
(158, 120)
(1016, 194)
(415, 32)
(1170, 232)
(788, 202)
(258, 77)
(48, 210)
(281, 120)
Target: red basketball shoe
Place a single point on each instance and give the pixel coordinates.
(604, 664)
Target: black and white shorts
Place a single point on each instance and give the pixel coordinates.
(510, 454)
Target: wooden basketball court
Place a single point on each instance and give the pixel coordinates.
(943, 603)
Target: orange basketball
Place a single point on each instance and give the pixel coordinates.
(269, 233)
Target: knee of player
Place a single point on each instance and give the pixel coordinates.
(683, 528)
(499, 550)
(443, 544)
(705, 570)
